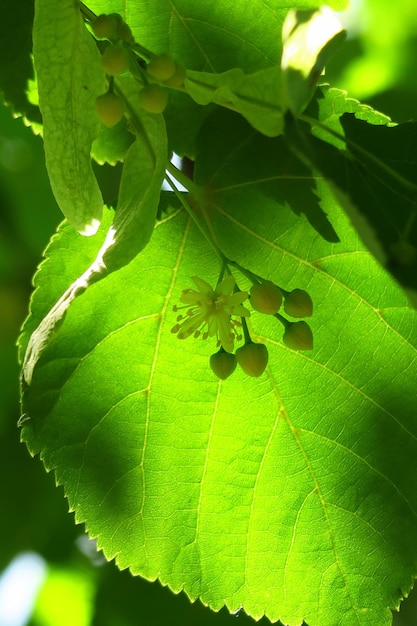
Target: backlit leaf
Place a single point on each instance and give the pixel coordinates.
(70, 77)
(277, 494)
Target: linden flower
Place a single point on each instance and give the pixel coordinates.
(212, 310)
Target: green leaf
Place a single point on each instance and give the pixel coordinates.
(374, 179)
(330, 104)
(140, 186)
(278, 494)
(256, 96)
(134, 221)
(251, 162)
(70, 77)
(309, 39)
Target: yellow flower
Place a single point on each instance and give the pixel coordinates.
(212, 310)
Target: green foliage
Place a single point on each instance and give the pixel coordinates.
(273, 489)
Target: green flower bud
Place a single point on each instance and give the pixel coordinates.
(110, 108)
(298, 336)
(111, 27)
(153, 98)
(253, 358)
(178, 78)
(161, 67)
(124, 33)
(115, 60)
(223, 364)
(106, 26)
(298, 304)
(266, 297)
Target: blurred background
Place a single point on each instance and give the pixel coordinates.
(50, 573)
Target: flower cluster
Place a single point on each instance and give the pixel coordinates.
(266, 297)
(212, 312)
(219, 313)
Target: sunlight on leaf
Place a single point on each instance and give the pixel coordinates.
(245, 493)
(309, 38)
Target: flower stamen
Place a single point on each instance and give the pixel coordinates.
(212, 310)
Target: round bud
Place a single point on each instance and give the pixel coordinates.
(115, 60)
(177, 80)
(298, 304)
(266, 297)
(124, 32)
(106, 26)
(161, 67)
(153, 98)
(110, 108)
(298, 336)
(253, 358)
(223, 364)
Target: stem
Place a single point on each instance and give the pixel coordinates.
(286, 323)
(184, 180)
(87, 13)
(246, 331)
(194, 217)
(254, 278)
(142, 52)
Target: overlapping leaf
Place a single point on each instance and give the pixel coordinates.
(70, 77)
(374, 178)
(289, 495)
(256, 96)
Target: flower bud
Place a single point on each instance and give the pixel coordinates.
(162, 67)
(223, 364)
(115, 60)
(106, 26)
(253, 358)
(298, 304)
(110, 108)
(298, 336)
(266, 297)
(153, 98)
(177, 80)
(111, 27)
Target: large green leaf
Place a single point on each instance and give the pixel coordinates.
(290, 495)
